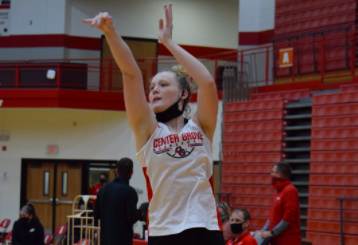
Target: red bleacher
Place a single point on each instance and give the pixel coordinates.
(335, 121)
(260, 190)
(245, 179)
(249, 200)
(252, 143)
(336, 98)
(329, 191)
(348, 87)
(336, 145)
(236, 157)
(287, 95)
(334, 156)
(331, 227)
(333, 168)
(253, 137)
(326, 238)
(331, 215)
(262, 126)
(334, 133)
(330, 203)
(249, 168)
(332, 110)
(250, 116)
(253, 147)
(334, 180)
(255, 211)
(255, 105)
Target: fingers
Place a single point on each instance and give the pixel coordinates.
(161, 24)
(168, 19)
(87, 21)
(98, 20)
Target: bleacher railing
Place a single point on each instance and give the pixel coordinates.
(326, 58)
(341, 199)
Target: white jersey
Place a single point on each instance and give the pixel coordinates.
(178, 171)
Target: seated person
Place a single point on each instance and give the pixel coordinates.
(27, 229)
(77, 222)
(224, 212)
(240, 221)
(144, 209)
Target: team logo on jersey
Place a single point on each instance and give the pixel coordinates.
(178, 145)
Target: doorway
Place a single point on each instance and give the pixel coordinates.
(52, 185)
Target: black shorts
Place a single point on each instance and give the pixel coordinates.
(194, 236)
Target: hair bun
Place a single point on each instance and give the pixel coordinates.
(181, 70)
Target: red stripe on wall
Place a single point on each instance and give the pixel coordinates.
(196, 51)
(5, 7)
(90, 43)
(255, 38)
(52, 40)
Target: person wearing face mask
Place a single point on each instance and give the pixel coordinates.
(102, 181)
(283, 225)
(175, 152)
(225, 214)
(28, 230)
(116, 207)
(239, 225)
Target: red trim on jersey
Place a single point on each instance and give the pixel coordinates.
(149, 191)
(217, 211)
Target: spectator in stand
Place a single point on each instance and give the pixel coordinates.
(28, 230)
(102, 181)
(225, 214)
(144, 209)
(239, 224)
(284, 224)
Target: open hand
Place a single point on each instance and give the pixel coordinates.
(103, 22)
(165, 31)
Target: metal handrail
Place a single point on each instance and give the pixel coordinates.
(341, 199)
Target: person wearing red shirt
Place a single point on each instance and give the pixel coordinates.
(240, 221)
(283, 225)
(102, 181)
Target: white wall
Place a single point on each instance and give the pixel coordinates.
(47, 17)
(256, 15)
(210, 23)
(97, 135)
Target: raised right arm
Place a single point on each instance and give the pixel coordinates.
(140, 116)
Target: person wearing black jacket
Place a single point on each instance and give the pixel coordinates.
(28, 230)
(116, 207)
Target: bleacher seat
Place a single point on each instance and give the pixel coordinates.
(263, 126)
(8, 238)
(253, 136)
(61, 232)
(48, 239)
(334, 133)
(334, 168)
(249, 168)
(3, 226)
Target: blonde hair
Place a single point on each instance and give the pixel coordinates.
(225, 207)
(182, 77)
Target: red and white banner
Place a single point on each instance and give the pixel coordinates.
(5, 17)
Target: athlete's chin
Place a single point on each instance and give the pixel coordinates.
(158, 108)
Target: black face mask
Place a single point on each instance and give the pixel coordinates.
(102, 180)
(24, 220)
(170, 113)
(236, 228)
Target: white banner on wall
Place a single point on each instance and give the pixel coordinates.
(5, 17)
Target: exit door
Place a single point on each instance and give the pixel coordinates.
(51, 188)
